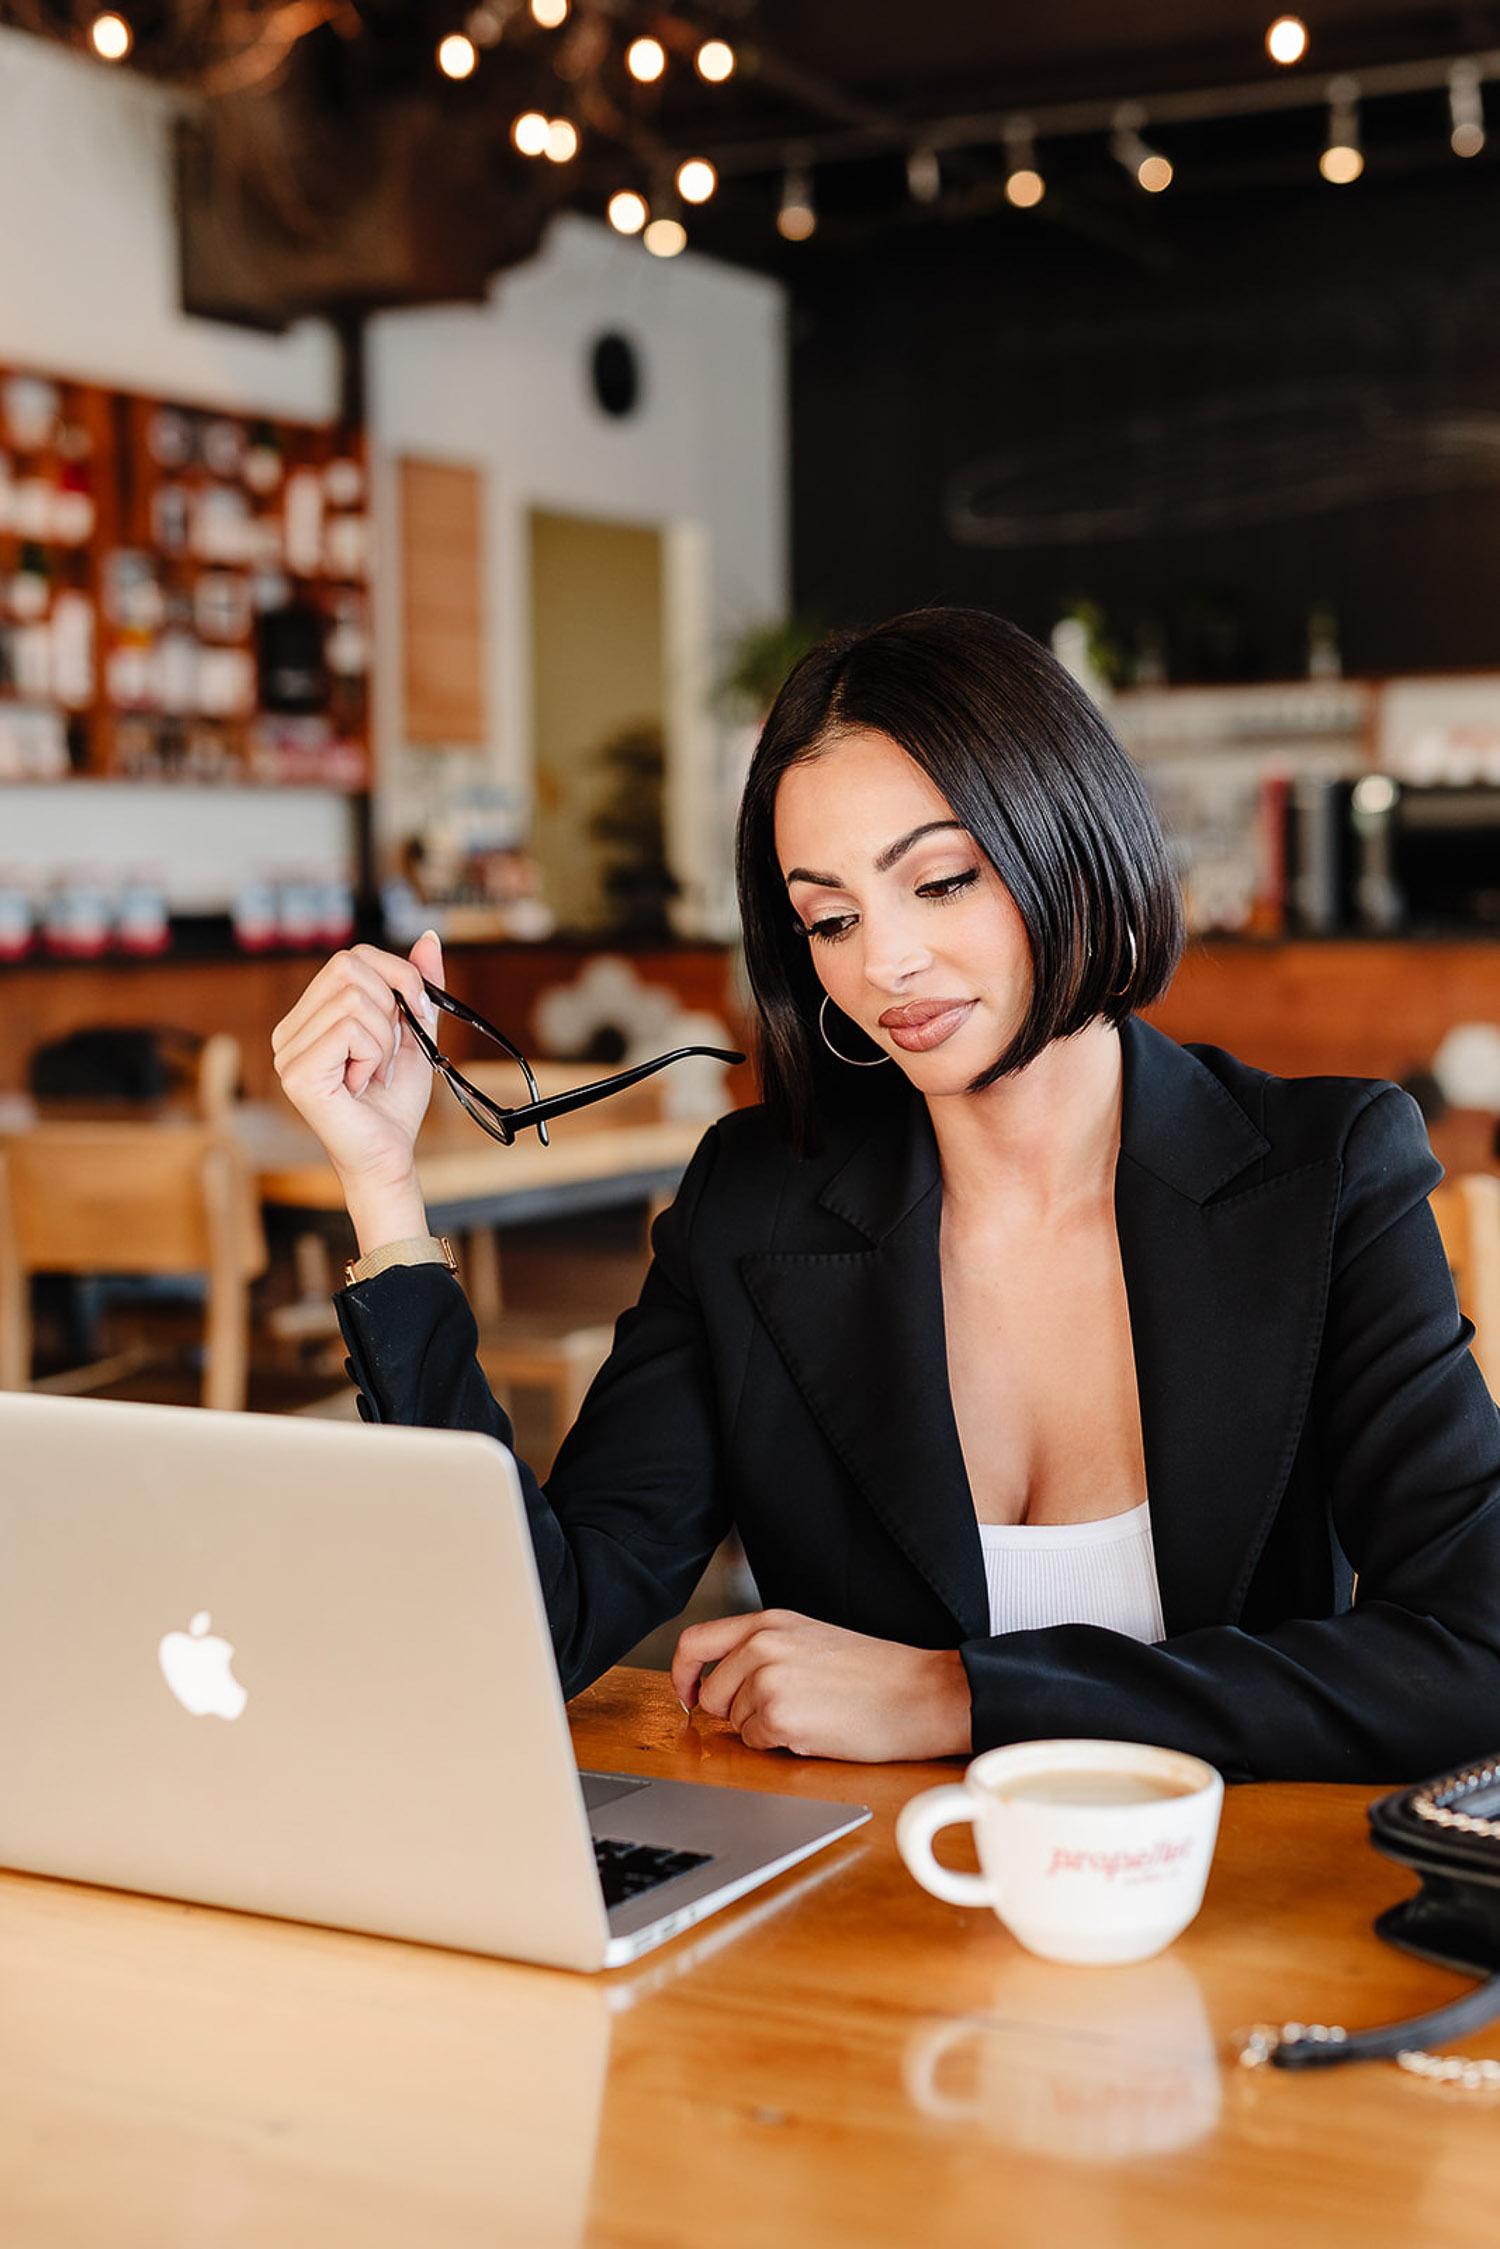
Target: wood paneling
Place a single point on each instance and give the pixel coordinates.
(442, 580)
(1349, 1009)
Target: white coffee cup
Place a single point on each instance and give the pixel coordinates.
(1090, 1851)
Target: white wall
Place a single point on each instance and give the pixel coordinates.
(505, 386)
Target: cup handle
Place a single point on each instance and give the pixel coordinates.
(917, 1824)
(923, 2060)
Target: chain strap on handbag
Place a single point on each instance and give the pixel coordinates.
(1448, 1831)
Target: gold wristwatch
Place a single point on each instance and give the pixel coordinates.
(417, 1249)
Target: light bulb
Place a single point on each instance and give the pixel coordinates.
(549, 13)
(457, 56)
(924, 175)
(1146, 165)
(665, 237)
(111, 37)
(1025, 188)
(696, 180)
(1341, 163)
(627, 211)
(1465, 109)
(646, 59)
(529, 133)
(561, 144)
(1286, 41)
(715, 61)
(797, 219)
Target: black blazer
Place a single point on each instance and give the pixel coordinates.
(1308, 1405)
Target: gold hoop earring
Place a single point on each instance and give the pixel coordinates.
(833, 1050)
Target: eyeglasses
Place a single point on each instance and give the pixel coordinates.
(491, 1116)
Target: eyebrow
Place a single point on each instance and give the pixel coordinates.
(884, 860)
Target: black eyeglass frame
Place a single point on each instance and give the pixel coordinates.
(503, 1124)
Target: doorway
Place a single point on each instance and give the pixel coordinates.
(599, 720)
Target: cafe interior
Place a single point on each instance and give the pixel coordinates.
(428, 438)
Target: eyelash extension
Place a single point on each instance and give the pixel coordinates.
(948, 886)
(938, 893)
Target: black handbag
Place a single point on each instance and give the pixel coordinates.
(1448, 1832)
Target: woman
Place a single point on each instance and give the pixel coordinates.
(1058, 1379)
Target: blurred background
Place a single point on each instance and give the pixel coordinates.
(428, 434)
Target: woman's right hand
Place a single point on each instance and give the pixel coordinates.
(362, 1085)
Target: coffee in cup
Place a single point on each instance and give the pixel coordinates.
(1090, 1851)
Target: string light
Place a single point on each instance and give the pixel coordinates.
(1147, 166)
(714, 61)
(561, 144)
(1286, 41)
(549, 13)
(457, 56)
(530, 132)
(696, 180)
(1465, 109)
(924, 175)
(1342, 160)
(111, 37)
(797, 217)
(627, 211)
(646, 59)
(665, 237)
(1024, 185)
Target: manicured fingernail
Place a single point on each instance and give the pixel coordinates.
(682, 1706)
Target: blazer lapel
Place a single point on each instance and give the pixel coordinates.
(861, 1333)
(1226, 1273)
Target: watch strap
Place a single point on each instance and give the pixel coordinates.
(416, 1249)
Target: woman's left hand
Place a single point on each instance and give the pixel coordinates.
(785, 1681)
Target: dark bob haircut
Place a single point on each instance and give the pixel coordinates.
(1033, 771)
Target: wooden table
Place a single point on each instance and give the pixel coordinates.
(838, 2060)
(470, 1180)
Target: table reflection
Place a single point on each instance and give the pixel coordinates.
(1092, 2064)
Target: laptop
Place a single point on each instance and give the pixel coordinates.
(302, 1668)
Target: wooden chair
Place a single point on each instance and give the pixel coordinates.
(163, 1197)
(1467, 1210)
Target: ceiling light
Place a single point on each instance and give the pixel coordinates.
(797, 217)
(646, 59)
(1465, 109)
(627, 211)
(715, 61)
(1024, 185)
(111, 37)
(530, 132)
(665, 237)
(924, 175)
(561, 145)
(1286, 41)
(549, 13)
(696, 180)
(457, 56)
(1342, 161)
(1146, 165)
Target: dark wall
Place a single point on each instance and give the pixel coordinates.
(1295, 403)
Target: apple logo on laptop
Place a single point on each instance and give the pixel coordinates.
(195, 1665)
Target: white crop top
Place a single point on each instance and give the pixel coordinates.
(1074, 1573)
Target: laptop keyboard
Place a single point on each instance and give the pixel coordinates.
(627, 1869)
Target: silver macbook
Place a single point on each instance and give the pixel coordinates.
(303, 1668)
